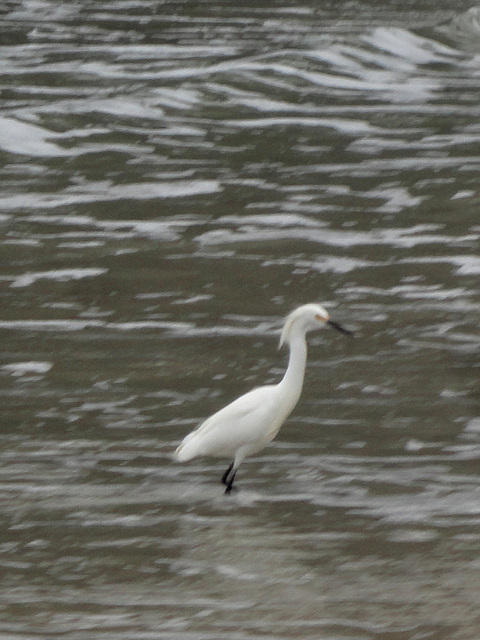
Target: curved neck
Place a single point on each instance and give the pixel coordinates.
(292, 382)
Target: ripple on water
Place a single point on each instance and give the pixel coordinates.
(173, 183)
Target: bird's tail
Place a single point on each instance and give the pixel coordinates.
(186, 450)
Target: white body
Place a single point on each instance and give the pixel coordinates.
(247, 424)
(251, 421)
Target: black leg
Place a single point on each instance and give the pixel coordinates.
(226, 474)
(230, 483)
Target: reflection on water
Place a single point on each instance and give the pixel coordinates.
(175, 179)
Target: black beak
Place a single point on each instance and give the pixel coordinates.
(339, 327)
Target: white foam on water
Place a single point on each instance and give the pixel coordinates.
(18, 369)
(60, 275)
(27, 139)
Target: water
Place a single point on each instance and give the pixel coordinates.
(176, 177)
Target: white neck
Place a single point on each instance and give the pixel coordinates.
(290, 387)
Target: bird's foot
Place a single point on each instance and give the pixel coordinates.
(230, 488)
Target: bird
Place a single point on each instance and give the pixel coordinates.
(249, 423)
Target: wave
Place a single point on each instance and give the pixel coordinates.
(464, 29)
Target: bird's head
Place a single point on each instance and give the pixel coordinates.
(307, 318)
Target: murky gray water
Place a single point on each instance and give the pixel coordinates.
(176, 177)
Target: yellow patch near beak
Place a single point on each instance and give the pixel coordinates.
(322, 318)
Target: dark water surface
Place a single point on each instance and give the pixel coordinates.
(176, 177)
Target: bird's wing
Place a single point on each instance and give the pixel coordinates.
(247, 419)
(256, 401)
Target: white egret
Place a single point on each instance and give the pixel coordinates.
(250, 422)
